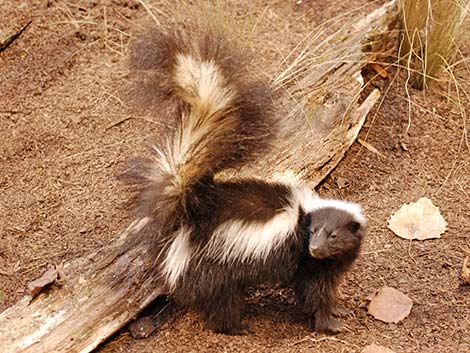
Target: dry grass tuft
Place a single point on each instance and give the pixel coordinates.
(431, 33)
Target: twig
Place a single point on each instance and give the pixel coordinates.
(119, 122)
(149, 11)
(25, 270)
(5, 43)
(409, 251)
(326, 338)
(369, 147)
(105, 24)
(375, 251)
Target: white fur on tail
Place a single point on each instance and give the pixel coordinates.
(177, 257)
(205, 83)
(211, 98)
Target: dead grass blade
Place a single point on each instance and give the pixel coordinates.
(431, 32)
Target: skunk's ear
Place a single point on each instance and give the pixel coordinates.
(353, 226)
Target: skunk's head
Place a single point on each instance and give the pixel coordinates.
(336, 228)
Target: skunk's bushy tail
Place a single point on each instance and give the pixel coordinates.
(223, 117)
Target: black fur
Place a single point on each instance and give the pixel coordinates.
(216, 290)
(186, 195)
(318, 274)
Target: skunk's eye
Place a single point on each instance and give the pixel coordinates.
(332, 236)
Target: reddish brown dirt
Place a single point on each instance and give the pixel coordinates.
(65, 134)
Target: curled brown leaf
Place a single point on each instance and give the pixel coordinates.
(390, 305)
(38, 285)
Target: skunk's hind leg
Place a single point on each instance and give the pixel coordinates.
(221, 311)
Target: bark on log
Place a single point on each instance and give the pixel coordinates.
(99, 293)
(320, 112)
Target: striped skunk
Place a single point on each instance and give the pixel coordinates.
(214, 238)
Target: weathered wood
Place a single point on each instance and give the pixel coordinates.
(99, 293)
(320, 111)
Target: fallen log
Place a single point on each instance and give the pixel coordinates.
(98, 294)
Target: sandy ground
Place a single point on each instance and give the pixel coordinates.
(65, 133)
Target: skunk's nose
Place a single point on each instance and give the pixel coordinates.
(316, 242)
(313, 250)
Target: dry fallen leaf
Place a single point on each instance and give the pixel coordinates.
(50, 276)
(466, 270)
(380, 70)
(419, 220)
(390, 305)
(374, 348)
